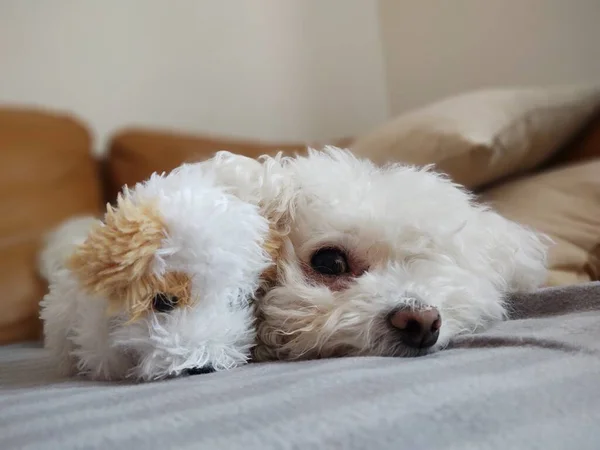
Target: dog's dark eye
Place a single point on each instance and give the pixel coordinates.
(164, 302)
(330, 261)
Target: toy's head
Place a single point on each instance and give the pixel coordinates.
(177, 262)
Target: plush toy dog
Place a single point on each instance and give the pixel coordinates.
(163, 286)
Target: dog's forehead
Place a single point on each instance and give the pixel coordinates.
(389, 205)
(359, 195)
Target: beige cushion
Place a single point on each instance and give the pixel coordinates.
(565, 204)
(482, 136)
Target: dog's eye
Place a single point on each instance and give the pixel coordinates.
(164, 302)
(330, 261)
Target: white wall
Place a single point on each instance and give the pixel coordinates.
(281, 69)
(268, 69)
(436, 48)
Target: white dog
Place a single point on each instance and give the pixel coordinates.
(391, 261)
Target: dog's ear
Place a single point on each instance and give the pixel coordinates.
(117, 261)
(279, 227)
(516, 254)
(277, 205)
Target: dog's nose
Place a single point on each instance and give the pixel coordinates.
(417, 328)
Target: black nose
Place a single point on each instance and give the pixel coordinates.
(417, 328)
(200, 370)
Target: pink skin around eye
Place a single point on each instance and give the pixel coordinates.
(336, 283)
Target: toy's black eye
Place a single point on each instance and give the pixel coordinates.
(164, 302)
(330, 261)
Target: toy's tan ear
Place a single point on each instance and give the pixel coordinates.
(116, 260)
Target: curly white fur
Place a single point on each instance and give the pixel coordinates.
(417, 239)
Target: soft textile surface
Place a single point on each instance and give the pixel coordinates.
(481, 136)
(136, 153)
(563, 203)
(530, 383)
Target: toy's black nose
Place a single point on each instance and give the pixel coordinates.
(417, 328)
(200, 370)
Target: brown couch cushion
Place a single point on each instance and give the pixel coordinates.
(565, 204)
(136, 153)
(47, 174)
(482, 136)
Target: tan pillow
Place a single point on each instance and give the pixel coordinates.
(565, 204)
(482, 136)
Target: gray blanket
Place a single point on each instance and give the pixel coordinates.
(530, 383)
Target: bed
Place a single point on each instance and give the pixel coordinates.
(528, 383)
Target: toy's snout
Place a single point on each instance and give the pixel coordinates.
(117, 262)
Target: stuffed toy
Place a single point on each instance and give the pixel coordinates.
(162, 286)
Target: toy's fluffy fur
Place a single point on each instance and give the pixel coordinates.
(222, 258)
(412, 238)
